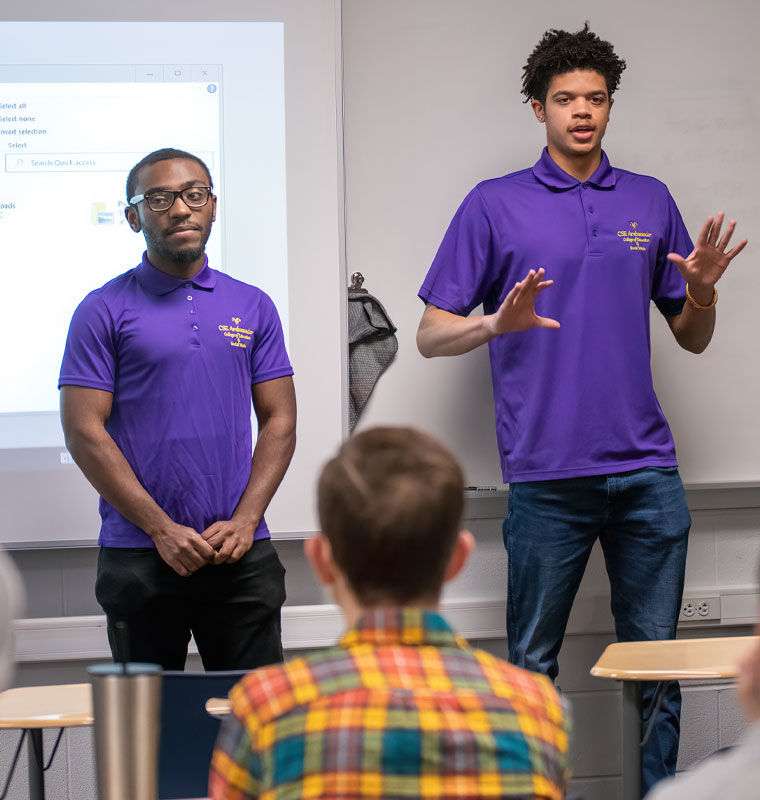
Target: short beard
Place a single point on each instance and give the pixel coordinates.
(185, 256)
(181, 256)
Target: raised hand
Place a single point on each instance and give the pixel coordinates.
(709, 259)
(518, 310)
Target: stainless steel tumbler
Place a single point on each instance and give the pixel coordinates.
(126, 702)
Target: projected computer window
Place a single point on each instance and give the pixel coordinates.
(80, 104)
(67, 148)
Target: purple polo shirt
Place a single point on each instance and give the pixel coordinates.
(578, 400)
(180, 358)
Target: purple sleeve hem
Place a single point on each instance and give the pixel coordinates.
(87, 383)
(271, 374)
(670, 306)
(431, 297)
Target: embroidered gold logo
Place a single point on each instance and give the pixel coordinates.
(238, 337)
(636, 239)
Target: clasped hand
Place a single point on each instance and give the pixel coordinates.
(231, 539)
(186, 552)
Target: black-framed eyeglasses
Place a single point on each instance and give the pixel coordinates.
(163, 199)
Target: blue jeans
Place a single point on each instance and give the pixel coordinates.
(642, 521)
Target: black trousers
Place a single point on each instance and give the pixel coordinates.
(232, 610)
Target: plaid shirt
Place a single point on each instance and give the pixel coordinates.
(400, 708)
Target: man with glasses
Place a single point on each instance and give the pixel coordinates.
(160, 367)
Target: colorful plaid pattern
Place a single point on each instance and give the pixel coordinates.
(401, 708)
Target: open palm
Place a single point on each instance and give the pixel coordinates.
(518, 309)
(709, 259)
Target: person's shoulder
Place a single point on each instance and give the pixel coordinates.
(273, 691)
(625, 177)
(492, 192)
(513, 181)
(733, 772)
(119, 282)
(508, 681)
(263, 693)
(110, 291)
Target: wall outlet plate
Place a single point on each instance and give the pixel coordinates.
(700, 608)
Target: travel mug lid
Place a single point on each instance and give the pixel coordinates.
(130, 668)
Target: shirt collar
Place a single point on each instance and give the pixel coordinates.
(157, 282)
(406, 626)
(547, 171)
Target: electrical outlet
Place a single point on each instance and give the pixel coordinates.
(699, 609)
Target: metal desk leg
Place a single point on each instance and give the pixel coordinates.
(631, 740)
(36, 771)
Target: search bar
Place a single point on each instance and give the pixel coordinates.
(80, 162)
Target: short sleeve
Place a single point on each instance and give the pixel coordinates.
(89, 358)
(461, 274)
(669, 286)
(269, 358)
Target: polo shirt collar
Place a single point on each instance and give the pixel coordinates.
(547, 171)
(157, 282)
(402, 626)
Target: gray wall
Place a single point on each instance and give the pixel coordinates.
(433, 106)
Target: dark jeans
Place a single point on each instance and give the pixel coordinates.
(642, 522)
(232, 610)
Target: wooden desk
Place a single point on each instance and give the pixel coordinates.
(679, 659)
(33, 708)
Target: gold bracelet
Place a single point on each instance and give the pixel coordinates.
(698, 305)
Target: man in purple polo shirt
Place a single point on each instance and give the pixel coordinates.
(582, 439)
(160, 367)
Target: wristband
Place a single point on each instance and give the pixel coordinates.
(698, 305)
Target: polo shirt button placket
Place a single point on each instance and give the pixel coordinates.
(594, 233)
(194, 326)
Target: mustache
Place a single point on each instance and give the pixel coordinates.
(184, 228)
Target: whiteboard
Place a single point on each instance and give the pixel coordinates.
(45, 500)
(433, 106)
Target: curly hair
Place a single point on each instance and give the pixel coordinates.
(559, 52)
